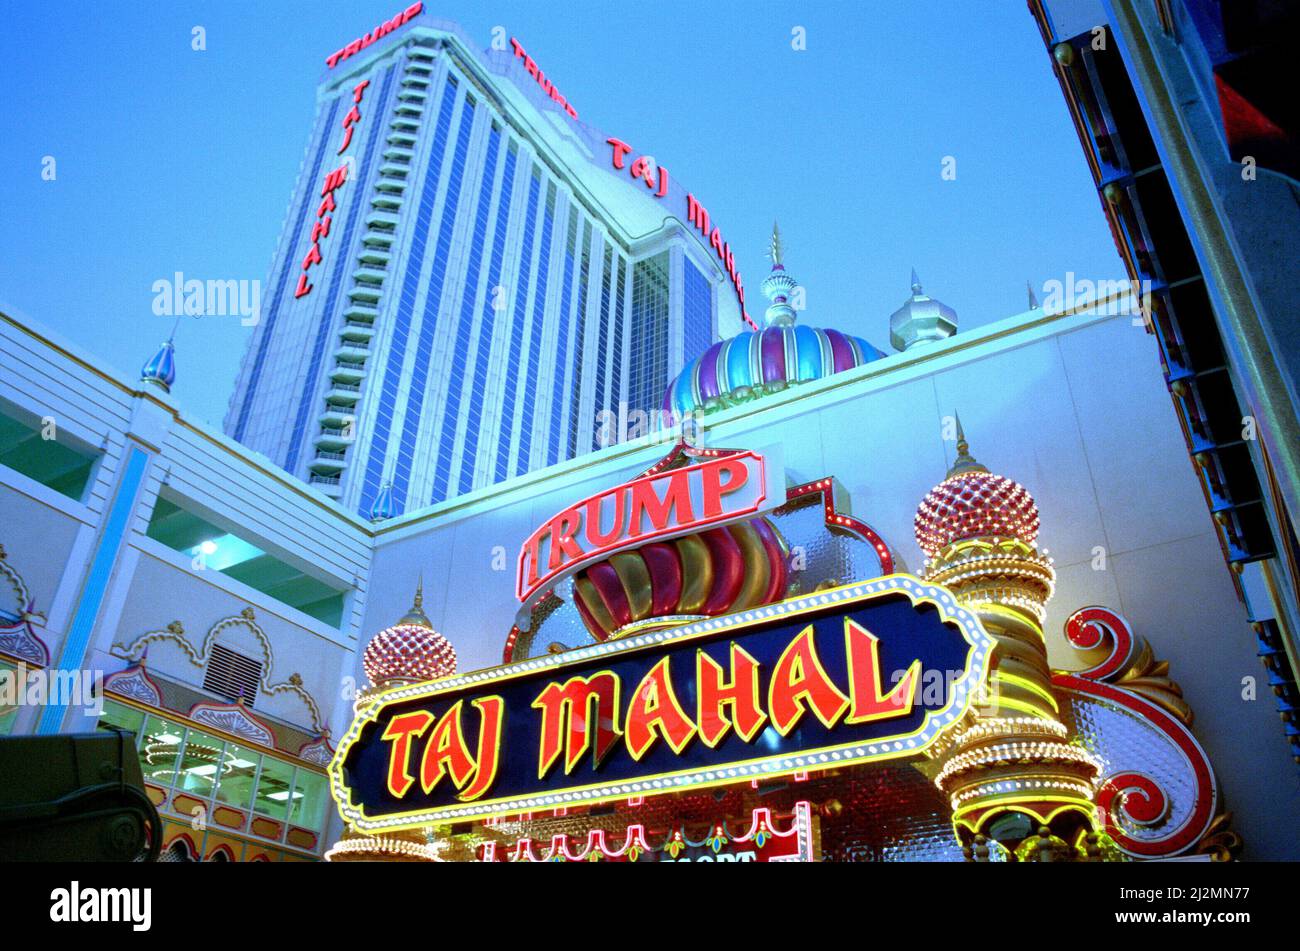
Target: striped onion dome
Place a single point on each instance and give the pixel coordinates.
(765, 361)
(719, 571)
(161, 368)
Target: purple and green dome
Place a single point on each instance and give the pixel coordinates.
(759, 362)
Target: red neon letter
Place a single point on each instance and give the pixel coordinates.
(400, 732)
(677, 497)
(714, 488)
(446, 752)
(654, 709)
(591, 521)
(869, 703)
(563, 527)
(491, 710)
(697, 214)
(799, 681)
(573, 715)
(741, 694)
(621, 149)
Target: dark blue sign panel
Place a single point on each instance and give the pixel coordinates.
(865, 672)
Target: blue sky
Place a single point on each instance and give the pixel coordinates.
(170, 159)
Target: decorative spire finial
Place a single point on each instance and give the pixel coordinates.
(916, 283)
(385, 506)
(416, 615)
(964, 462)
(1033, 298)
(778, 285)
(775, 249)
(160, 371)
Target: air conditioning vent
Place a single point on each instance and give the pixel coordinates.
(231, 675)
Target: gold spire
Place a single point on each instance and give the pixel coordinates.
(775, 250)
(964, 462)
(416, 615)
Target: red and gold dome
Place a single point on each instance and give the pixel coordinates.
(973, 503)
(718, 571)
(410, 651)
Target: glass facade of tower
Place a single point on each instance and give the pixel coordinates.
(469, 312)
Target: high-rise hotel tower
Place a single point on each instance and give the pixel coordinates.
(468, 276)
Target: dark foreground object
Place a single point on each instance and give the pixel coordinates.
(74, 797)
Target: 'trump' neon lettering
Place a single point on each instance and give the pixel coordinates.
(361, 42)
(673, 502)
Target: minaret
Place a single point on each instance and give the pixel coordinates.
(410, 651)
(778, 286)
(1011, 772)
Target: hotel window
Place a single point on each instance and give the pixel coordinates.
(222, 772)
(201, 763)
(464, 325)
(273, 789)
(556, 430)
(522, 463)
(235, 787)
(388, 392)
(44, 453)
(698, 317)
(517, 331)
(308, 805)
(176, 525)
(579, 435)
(429, 320)
(648, 347)
(487, 325)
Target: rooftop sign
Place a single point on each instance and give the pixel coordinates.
(379, 32)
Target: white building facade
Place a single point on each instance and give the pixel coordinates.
(226, 603)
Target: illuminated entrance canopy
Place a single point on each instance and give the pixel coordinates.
(869, 672)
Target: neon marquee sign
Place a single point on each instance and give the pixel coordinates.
(820, 681)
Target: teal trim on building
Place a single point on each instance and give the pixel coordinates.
(101, 570)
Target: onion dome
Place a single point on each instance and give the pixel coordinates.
(410, 651)
(921, 319)
(161, 368)
(974, 503)
(720, 571)
(765, 361)
(385, 506)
